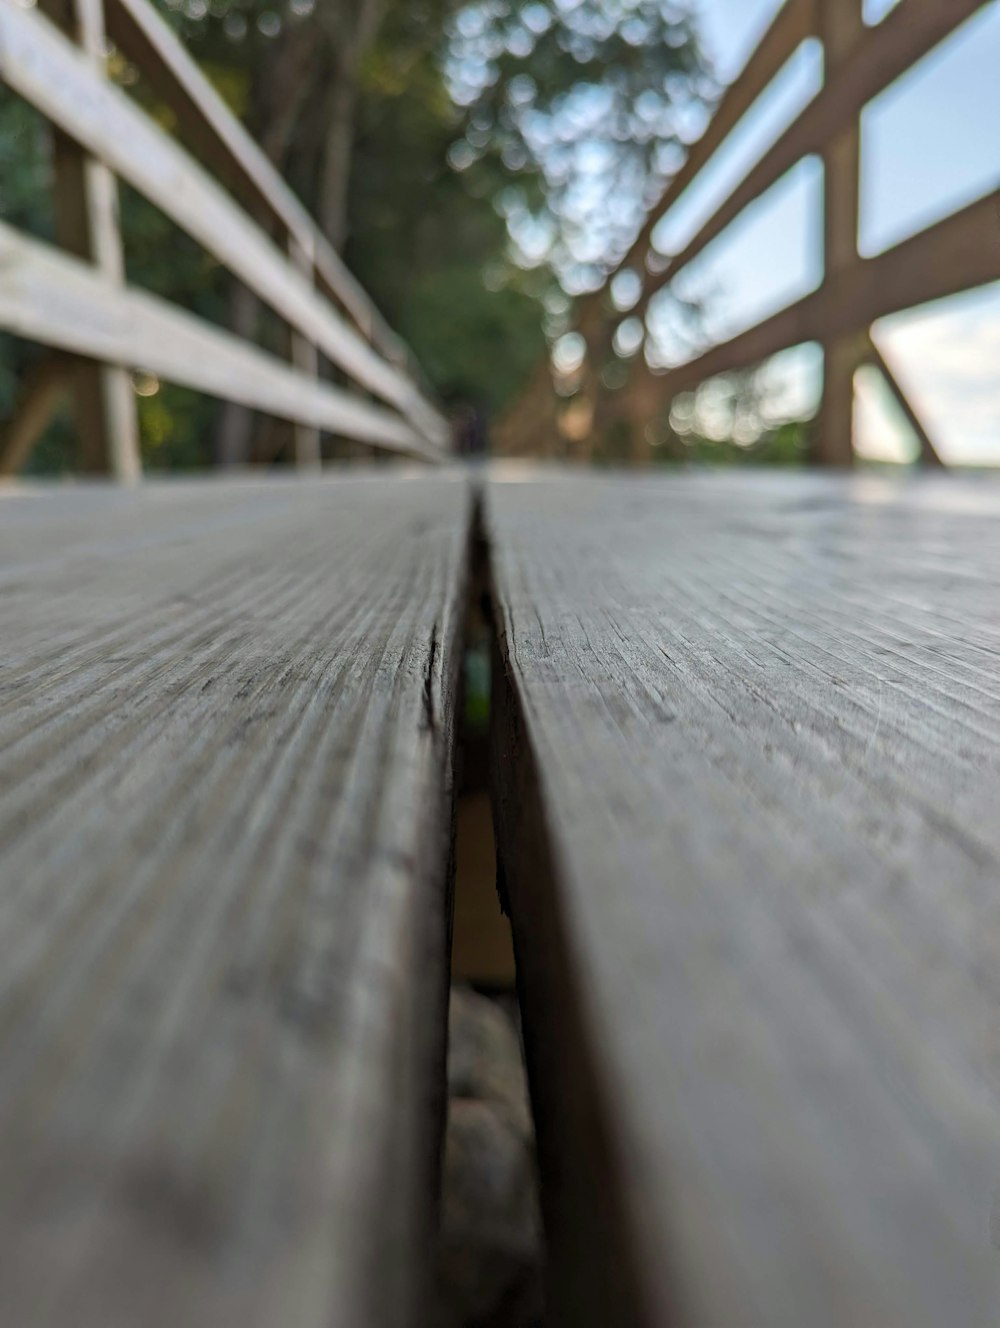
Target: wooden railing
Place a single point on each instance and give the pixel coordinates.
(230, 200)
(956, 254)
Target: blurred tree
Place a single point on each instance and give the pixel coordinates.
(729, 421)
(586, 106)
(581, 107)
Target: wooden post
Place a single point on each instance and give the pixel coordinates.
(87, 225)
(841, 27)
(305, 357)
(40, 394)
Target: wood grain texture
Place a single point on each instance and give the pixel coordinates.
(749, 774)
(225, 725)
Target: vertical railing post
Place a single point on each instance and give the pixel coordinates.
(841, 26)
(87, 225)
(305, 358)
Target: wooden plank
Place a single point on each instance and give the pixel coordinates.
(949, 257)
(41, 66)
(748, 774)
(105, 418)
(226, 726)
(48, 297)
(221, 142)
(905, 36)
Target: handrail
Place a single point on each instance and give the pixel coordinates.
(66, 81)
(51, 297)
(903, 38)
(171, 72)
(793, 24)
(957, 254)
(954, 255)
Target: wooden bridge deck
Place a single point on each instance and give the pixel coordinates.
(226, 753)
(747, 747)
(751, 781)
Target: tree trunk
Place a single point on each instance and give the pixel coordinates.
(287, 84)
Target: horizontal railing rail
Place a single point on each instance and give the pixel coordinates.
(53, 298)
(889, 50)
(79, 303)
(222, 142)
(958, 253)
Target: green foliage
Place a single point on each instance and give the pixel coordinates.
(428, 242)
(25, 168)
(785, 444)
(174, 426)
(475, 345)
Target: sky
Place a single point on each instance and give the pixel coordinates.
(930, 144)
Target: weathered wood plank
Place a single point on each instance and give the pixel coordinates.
(305, 359)
(225, 722)
(49, 297)
(41, 66)
(749, 786)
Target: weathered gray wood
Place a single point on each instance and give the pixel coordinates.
(225, 742)
(41, 66)
(49, 297)
(749, 783)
